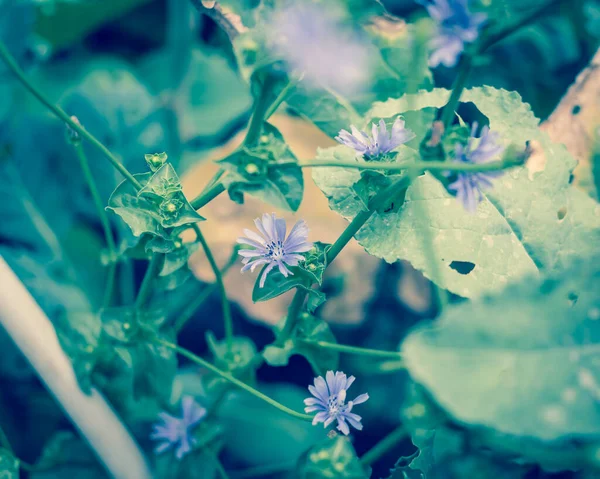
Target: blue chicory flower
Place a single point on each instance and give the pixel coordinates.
(330, 401)
(468, 186)
(313, 40)
(380, 142)
(272, 248)
(456, 25)
(174, 432)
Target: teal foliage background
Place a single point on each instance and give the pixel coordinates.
(502, 384)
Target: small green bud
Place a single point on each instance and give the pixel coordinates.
(251, 169)
(264, 138)
(312, 267)
(156, 160)
(169, 209)
(126, 326)
(177, 244)
(73, 136)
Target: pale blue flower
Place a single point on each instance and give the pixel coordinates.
(174, 432)
(380, 142)
(330, 402)
(272, 248)
(469, 186)
(313, 40)
(456, 25)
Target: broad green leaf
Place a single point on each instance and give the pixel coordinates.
(9, 465)
(529, 220)
(334, 457)
(209, 103)
(538, 341)
(242, 415)
(307, 329)
(255, 170)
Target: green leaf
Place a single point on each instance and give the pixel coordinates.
(67, 455)
(239, 359)
(334, 457)
(520, 226)
(159, 205)
(178, 258)
(79, 334)
(256, 171)
(538, 341)
(242, 415)
(130, 338)
(9, 465)
(307, 329)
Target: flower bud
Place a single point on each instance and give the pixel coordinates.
(156, 160)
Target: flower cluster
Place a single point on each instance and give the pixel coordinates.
(330, 402)
(469, 186)
(272, 248)
(380, 142)
(314, 42)
(456, 26)
(175, 432)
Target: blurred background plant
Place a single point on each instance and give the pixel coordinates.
(156, 75)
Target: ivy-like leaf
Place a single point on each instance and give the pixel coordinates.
(255, 170)
(159, 205)
(307, 329)
(528, 221)
(334, 457)
(538, 341)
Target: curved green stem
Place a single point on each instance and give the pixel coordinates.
(535, 14)
(460, 82)
(146, 287)
(418, 166)
(383, 446)
(227, 319)
(280, 99)
(225, 375)
(261, 106)
(108, 235)
(207, 196)
(343, 348)
(59, 112)
(384, 196)
(293, 313)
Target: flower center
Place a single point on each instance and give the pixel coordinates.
(333, 405)
(275, 250)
